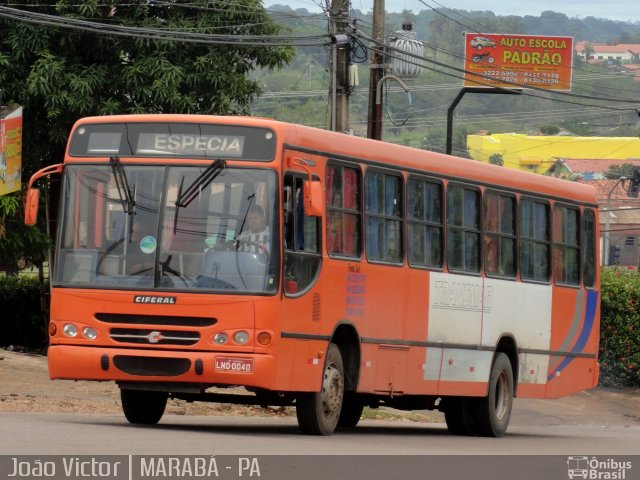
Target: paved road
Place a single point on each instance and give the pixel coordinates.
(537, 447)
(542, 435)
(63, 433)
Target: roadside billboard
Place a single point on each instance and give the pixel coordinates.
(518, 61)
(10, 149)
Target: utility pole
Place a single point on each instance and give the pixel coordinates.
(374, 122)
(339, 78)
(605, 243)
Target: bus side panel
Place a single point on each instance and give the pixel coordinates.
(301, 353)
(469, 316)
(300, 363)
(372, 298)
(575, 329)
(415, 330)
(522, 311)
(455, 323)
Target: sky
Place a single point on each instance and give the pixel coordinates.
(625, 10)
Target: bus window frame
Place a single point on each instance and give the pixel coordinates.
(402, 218)
(554, 243)
(331, 162)
(477, 188)
(442, 225)
(543, 201)
(297, 174)
(583, 246)
(516, 218)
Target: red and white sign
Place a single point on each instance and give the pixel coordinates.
(518, 61)
(234, 364)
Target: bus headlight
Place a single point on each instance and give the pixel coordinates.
(241, 337)
(70, 330)
(220, 338)
(90, 333)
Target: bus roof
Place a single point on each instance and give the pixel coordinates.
(346, 147)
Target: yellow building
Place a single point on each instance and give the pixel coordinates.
(524, 152)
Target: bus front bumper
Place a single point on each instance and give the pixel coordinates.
(73, 362)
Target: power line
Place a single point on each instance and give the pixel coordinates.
(402, 55)
(160, 34)
(457, 55)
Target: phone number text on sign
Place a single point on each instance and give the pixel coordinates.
(231, 364)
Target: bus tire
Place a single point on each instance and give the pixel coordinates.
(457, 415)
(143, 407)
(318, 412)
(351, 411)
(491, 414)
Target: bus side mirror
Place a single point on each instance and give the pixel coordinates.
(313, 198)
(31, 206)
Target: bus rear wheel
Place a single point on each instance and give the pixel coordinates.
(351, 411)
(143, 407)
(457, 414)
(318, 412)
(491, 414)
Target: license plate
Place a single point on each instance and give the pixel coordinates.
(234, 364)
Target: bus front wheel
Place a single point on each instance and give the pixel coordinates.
(491, 414)
(143, 407)
(318, 412)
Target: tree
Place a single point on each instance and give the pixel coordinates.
(496, 159)
(617, 171)
(19, 243)
(549, 129)
(59, 75)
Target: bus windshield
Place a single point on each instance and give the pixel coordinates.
(220, 239)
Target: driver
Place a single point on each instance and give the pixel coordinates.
(256, 239)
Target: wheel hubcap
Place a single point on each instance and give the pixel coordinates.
(332, 391)
(502, 396)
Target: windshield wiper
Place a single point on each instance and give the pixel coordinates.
(192, 191)
(124, 192)
(204, 179)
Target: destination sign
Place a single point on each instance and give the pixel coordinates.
(191, 145)
(179, 140)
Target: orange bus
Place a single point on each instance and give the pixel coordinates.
(316, 269)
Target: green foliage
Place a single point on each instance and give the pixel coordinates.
(617, 171)
(19, 243)
(620, 328)
(496, 159)
(60, 75)
(550, 129)
(22, 320)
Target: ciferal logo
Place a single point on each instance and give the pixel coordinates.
(154, 337)
(597, 469)
(154, 299)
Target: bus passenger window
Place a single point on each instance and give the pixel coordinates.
(424, 212)
(343, 185)
(589, 248)
(463, 229)
(534, 241)
(383, 194)
(499, 235)
(566, 247)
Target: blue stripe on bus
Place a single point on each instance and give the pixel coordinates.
(587, 327)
